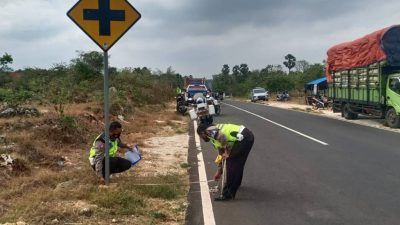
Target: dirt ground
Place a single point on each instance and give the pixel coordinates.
(50, 181)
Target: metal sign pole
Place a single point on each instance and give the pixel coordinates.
(106, 120)
(111, 26)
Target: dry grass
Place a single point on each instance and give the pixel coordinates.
(52, 180)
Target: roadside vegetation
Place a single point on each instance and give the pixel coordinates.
(240, 79)
(54, 114)
(49, 180)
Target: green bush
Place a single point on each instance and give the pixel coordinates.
(68, 123)
(81, 81)
(14, 98)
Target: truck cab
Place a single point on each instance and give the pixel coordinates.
(192, 90)
(393, 100)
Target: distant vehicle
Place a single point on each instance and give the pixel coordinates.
(193, 81)
(219, 95)
(258, 93)
(364, 76)
(201, 111)
(283, 96)
(212, 101)
(194, 90)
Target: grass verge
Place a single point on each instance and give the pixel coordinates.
(55, 182)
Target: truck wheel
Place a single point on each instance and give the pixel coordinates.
(348, 114)
(392, 119)
(354, 116)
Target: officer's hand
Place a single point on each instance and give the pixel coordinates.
(131, 146)
(217, 176)
(225, 155)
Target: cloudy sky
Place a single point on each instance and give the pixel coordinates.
(195, 36)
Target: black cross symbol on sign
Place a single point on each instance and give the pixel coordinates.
(104, 15)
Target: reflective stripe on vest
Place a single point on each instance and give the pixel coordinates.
(112, 150)
(230, 131)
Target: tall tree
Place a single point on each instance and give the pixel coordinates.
(5, 60)
(290, 61)
(236, 71)
(244, 69)
(267, 70)
(302, 65)
(225, 69)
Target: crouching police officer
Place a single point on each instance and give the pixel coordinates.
(233, 143)
(97, 153)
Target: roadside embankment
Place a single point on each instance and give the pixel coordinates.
(47, 179)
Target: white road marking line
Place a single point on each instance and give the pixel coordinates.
(280, 125)
(208, 213)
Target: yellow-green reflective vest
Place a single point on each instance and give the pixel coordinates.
(112, 150)
(230, 131)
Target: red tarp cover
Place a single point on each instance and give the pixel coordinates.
(357, 53)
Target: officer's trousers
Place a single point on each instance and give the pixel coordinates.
(235, 164)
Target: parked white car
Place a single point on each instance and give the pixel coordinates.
(258, 93)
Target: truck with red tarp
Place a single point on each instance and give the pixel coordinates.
(364, 76)
(190, 80)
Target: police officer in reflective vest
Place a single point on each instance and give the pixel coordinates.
(97, 153)
(178, 91)
(233, 143)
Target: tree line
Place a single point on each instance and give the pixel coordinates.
(241, 79)
(81, 80)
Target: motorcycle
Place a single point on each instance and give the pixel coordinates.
(180, 104)
(319, 102)
(202, 112)
(211, 101)
(218, 95)
(208, 119)
(283, 97)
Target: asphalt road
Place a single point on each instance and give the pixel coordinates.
(291, 179)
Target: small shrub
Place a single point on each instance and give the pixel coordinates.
(123, 202)
(28, 150)
(19, 167)
(68, 123)
(167, 192)
(185, 165)
(158, 215)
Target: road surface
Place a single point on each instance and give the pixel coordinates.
(304, 169)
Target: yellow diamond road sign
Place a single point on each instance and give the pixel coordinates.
(104, 21)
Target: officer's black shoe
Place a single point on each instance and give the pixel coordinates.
(223, 198)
